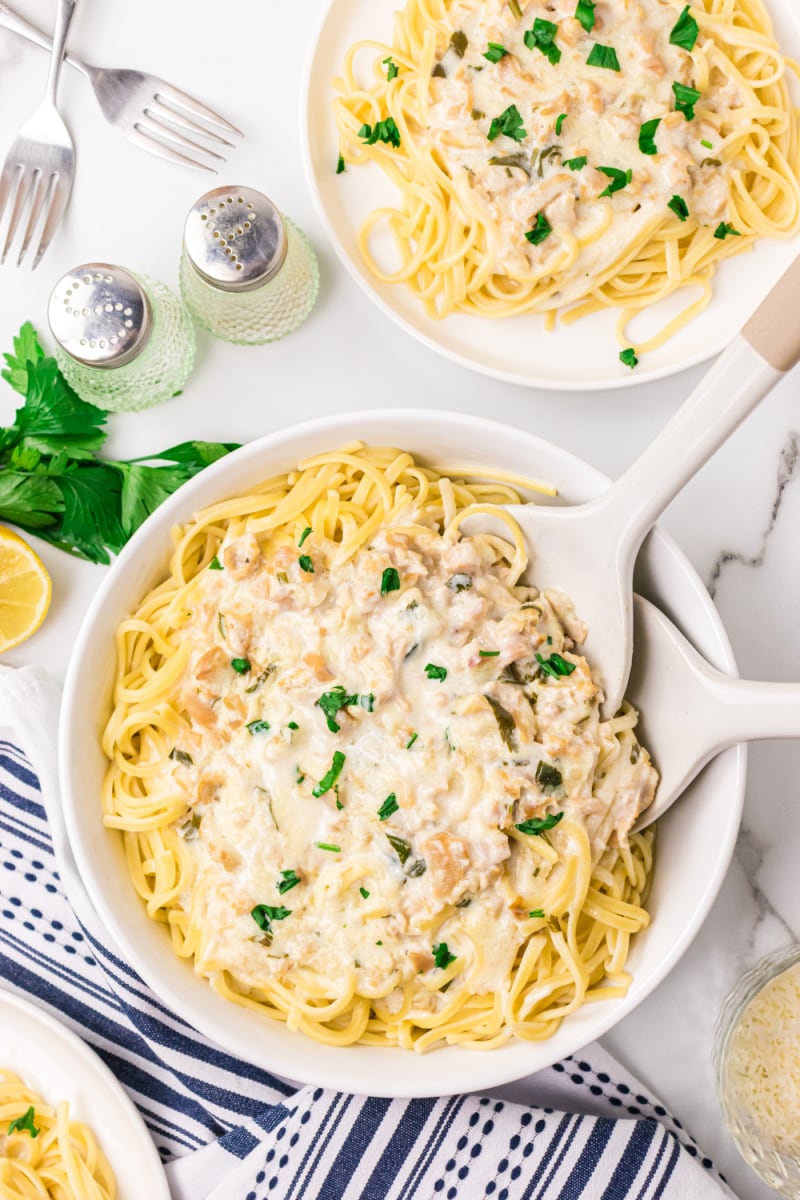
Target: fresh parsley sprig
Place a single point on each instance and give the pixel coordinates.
(52, 481)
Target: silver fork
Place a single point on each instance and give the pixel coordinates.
(149, 111)
(40, 165)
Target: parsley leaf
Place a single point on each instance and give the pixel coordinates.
(303, 536)
(575, 164)
(241, 666)
(388, 807)
(543, 38)
(679, 207)
(724, 230)
(265, 914)
(331, 775)
(536, 826)
(536, 912)
(560, 123)
(442, 956)
(434, 672)
(685, 32)
(647, 143)
(392, 70)
(628, 357)
(24, 1124)
(254, 727)
(400, 846)
(340, 165)
(337, 698)
(548, 778)
(364, 893)
(306, 564)
(584, 13)
(289, 879)
(541, 230)
(215, 564)
(390, 580)
(685, 100)
(603, 56)
(495, 52)
(619, 179)
(509, 123)
(383, 131)
(555, 666)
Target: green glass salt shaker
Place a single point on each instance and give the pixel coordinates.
(124, 342)
(248, 274)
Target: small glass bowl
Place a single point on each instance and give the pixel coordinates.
(777, 1165)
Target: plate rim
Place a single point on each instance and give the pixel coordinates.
(632, 380)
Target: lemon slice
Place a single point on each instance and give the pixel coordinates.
(25, 590)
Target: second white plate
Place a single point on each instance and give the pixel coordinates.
(581, 357)
(58, 1065)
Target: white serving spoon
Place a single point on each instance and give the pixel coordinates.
(690, 711)
(588, 550)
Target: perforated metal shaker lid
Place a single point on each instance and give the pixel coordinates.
(235, 238)
(100, 315)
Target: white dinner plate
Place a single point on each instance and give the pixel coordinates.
(59, 1066)
(580, 357)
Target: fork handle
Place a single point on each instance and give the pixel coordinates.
(14, 23)
(64, 15)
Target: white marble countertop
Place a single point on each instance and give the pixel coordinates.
(737, 520)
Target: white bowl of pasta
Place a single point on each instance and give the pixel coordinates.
(361, 851)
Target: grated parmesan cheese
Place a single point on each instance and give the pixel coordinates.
(763, 1061)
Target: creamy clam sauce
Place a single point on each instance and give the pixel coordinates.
(569, 111)
(362, 741)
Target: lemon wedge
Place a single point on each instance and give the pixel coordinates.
(25, 590)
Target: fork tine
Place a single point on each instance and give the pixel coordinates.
(183, 123)
(20, 202)
(153, 125)
(8, 184)
(39, 191)
(58, 198)
(140, 136)
(175, 98)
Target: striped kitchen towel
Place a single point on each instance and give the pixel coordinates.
(229, 1131)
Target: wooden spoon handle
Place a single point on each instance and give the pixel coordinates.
(774, 328)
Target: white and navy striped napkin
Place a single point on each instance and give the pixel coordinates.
(229, 1131)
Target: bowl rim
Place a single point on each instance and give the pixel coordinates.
(332, 1071)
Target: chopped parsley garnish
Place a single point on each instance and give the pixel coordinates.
(434, 672)
(303, 536)
(328, 846)
(215, 564)
(647, 143)
(560, 123)
(679, 207)
(724, 230)
(364, 893)
(337, 698)
(460, 582)
(400, 846)
(181, 756)
(257, 727)
(495, 52)
(293, 725)
(619, 179)
(459, 43)
(555, 666)
(331, 775)
(383, 131)
(390, 580)
(340, 165)
(575, 164)
(628, 357)
(603, 56)
(515, 8)
(265, 914)
(584, 13)
(299, 776)
(505, 722)
(541, 230)
(189, 829)
(543, 38)
(509, 123)
(241, 665)
(536, 826)
(685, 100)
(708, 145)
(24, 1124)
(282, 577)
(488, 653)
(442, 956)
(536, 912)
(288, 880)
(306, 564)
(392, 70)
(411, 740)
(388, 807)
(685, 32)
(548, 778)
